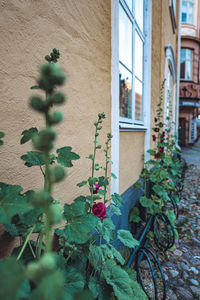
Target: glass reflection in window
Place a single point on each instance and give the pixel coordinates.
(125, 83)
(138, 100)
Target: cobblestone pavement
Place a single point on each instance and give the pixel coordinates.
(182, 269)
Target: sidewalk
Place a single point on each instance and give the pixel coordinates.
(182, 271)
(191, 154)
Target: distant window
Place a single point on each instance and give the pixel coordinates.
(186, 64)
(187, 16)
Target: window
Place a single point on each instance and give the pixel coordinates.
(187, 16)
(131, 61)
(186, 64)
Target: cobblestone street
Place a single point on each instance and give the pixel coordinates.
(182, 270)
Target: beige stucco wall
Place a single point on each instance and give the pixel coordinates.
(131, 160)
(28, 31)
(162, 35)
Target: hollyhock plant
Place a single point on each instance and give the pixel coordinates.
(154, 137)
(161, 150)
(156, 129)
(96, 188)
(163, 134)
(99, 210)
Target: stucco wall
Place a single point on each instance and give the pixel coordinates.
(28, 31)
(131, 160)
(162, 35)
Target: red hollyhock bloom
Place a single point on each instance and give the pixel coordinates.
(161, 150)
(157, 155)
(161, 140)
(99, 210)
(156, 129)
(163, 134)
(96, 187)
(154, 137)
(155, 120)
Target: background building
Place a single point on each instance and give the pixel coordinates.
(189, 72)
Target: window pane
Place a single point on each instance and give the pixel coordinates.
(138, 100)
(183, 19)
(183, 70)
(138, 57)
(129, 3)
(183, 54)
(125, 39)
(125, 83)
(139, 14)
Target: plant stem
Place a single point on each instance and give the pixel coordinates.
(93, 162)
(33, 253)
(106, 171)
(25, 243)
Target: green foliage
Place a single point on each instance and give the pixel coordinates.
(2, 134)
(33, 158)
(65, 156)
(28, 134)
(126, 238)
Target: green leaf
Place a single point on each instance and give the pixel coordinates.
(24, 291)
(126, 238)
(85, 294)
(82, 183)
(117, 255)
(28, 134)
(78, 229)
(146, 202)
(116, 210)
(134, 215)
(117, 199)
(12, 202)
(35, 87)
(65, 156)
(107, 229)
(138, 185)
(121, 283)
(74, 282)
(151, 152)
(51, 287)
(2, 134)
(96, 256)
(12, 275)
(33, 158)
(171, 215)
(158, 189)
(76, 209)
(113, 175)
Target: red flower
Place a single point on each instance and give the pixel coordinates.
(155, 120)
(163, 134)
(156, 129)
(99, 210)
(161, 150)
(154, 137)
(96, 187)
(161, 140)
(157, 155)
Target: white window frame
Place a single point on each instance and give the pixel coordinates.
(172, 7)
(116, 124)
(187, 13)
(170, 62)
(186, 60)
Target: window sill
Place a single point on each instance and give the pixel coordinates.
(131, 127)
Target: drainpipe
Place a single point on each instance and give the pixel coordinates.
(178, 67)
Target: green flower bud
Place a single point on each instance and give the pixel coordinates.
(41, 198)
(56, 98)
(96, 134)
(51, 75)
(58, 173)
(55, 213)
(56, 117)
(101, 115)
(37, 104)
(109, 136)
(48, 58)
(43, 141)
(98, 147)
(92, 180)
(99, 127)
(95, 123)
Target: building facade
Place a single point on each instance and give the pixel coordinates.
(116, 54)
(189, 72)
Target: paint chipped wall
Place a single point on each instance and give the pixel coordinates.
(29, 30)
